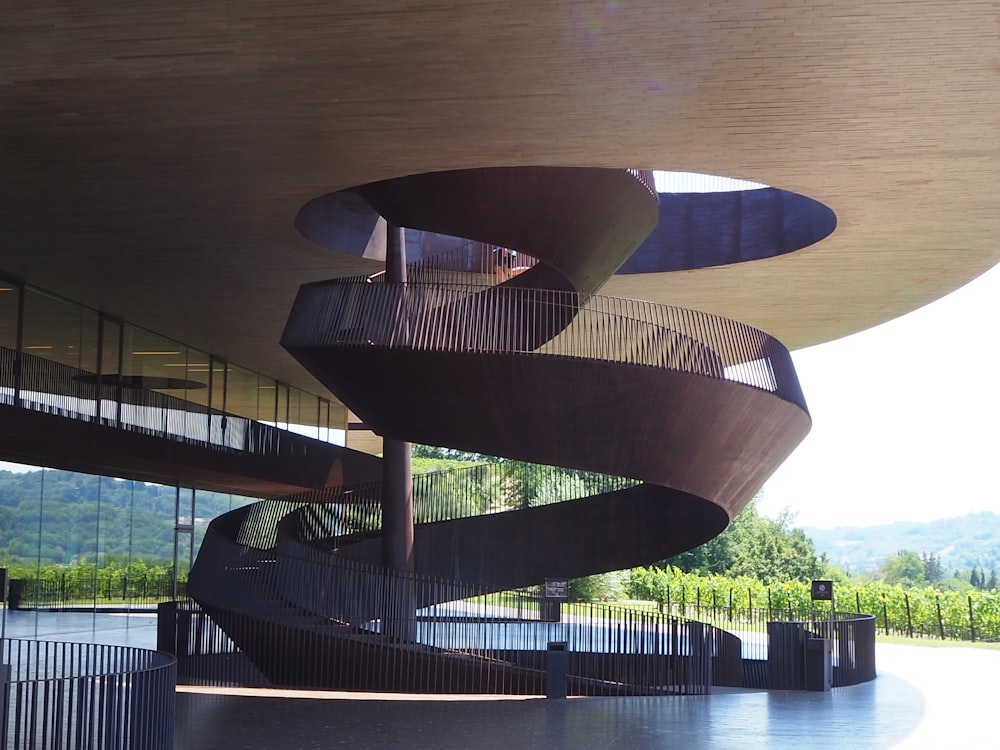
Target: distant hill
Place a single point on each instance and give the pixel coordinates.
(969, 541)
(66, 513)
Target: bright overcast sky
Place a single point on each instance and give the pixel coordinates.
(906, 419)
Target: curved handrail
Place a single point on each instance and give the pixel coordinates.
(456, 265)
(62, 694)
(646, 177)
(481, 489)
(443, 317)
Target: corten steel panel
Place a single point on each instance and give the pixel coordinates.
(715, 439)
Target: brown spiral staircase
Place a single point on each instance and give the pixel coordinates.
(681, 414)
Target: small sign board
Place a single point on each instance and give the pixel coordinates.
(556, 589)
(822, 590)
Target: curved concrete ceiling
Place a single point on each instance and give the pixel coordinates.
(153, 160)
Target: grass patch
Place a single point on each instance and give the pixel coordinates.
(902, 640)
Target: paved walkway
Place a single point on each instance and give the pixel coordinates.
(923, 698)
(137, 629)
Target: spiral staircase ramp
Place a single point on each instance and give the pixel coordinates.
(675, 417)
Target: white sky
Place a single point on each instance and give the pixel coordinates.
(905, 419)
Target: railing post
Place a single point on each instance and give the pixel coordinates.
(5, 674)
(972, 621)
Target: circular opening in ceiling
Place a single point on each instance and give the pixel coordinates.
(704, 221)
(710, 220)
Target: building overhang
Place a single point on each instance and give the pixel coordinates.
(153, 162)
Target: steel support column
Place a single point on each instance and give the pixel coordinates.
(397, 472)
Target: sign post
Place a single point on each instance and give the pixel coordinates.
(822, 591)
(556, 589)
(556, 592)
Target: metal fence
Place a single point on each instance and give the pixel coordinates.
(852, 635)
(482, 489)
(929, 614)
(87, 697)
(107, 590)
(271, 582)
(307, 618)
(282, 592)
(499, 644)
(915, 613)
(205, 654)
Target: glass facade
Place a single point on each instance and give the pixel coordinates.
(113, 364)
(83, 540)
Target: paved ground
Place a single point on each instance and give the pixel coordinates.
(923, 698)
(125, 630)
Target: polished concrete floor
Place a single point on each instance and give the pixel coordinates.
(923, 698)
(138, 629)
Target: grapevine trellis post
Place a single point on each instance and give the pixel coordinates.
(972, 622)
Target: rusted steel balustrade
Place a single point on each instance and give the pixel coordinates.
(512, 320)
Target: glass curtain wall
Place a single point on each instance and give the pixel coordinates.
(93, 543)
(97, 544)
(79, 362)
(59, 341)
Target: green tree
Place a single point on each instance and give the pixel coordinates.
(933, 571)
(600, 587)
(762, 548)
(904, 568)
